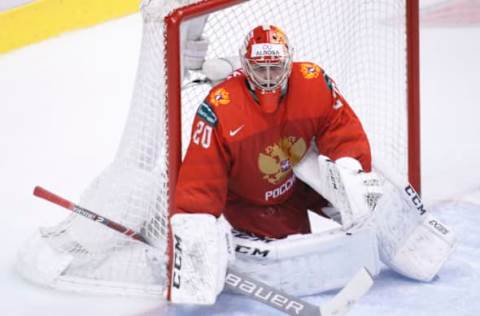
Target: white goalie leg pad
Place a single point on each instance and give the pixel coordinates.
(307, 264)
(412, 242)
(425, 250)
(343, 183)
(201, 254)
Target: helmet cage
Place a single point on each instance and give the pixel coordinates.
(267, 73)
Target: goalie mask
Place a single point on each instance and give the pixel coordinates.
(267, 62)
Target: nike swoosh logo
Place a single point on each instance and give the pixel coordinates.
(235, 131)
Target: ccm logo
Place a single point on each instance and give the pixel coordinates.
(438, 226)
(415, 198)
(265, 294)
(246, 250)
(177, 262)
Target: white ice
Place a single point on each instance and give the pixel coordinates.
(63, 103)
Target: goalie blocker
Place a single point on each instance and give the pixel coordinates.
(411, 241)
(201, 253)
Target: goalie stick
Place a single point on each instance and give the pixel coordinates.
(241, 283)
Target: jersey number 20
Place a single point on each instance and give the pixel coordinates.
(202, 135)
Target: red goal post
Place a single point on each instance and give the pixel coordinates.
(413, 92)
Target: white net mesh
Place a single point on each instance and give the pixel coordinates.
(360, 43)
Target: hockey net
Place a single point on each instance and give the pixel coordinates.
(362, 44)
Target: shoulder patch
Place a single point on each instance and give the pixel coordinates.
(207, 114)
(219, 96)
(310, 70)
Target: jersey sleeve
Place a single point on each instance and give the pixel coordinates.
(341, 134)
(203, 177)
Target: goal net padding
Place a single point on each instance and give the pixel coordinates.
(368, 47)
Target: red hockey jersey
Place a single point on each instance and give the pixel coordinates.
(239, 160)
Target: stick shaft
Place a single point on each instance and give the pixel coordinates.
(51, 197)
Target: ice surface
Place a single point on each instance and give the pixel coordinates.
(63, 103)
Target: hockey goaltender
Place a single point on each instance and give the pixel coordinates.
(272, 142)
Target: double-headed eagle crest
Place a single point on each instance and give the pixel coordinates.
(278, 159)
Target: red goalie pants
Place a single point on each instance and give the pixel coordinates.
(275, 221)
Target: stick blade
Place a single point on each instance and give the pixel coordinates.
(349, 295)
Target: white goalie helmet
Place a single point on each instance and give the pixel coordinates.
(266, 57)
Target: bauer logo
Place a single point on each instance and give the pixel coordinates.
(267, 50)
(264, 293)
